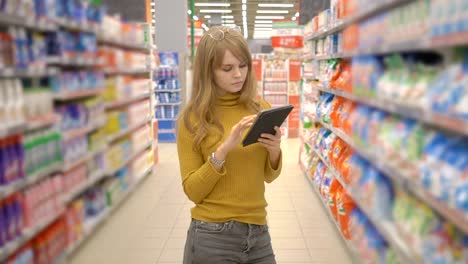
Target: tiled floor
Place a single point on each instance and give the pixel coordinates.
(151, 226)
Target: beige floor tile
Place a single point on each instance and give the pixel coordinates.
(179, 233)
(172, 255)
(291, 232)
(289, 243)
(155, 232)
(175, 243)
(292, 255)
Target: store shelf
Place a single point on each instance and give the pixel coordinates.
(13, 129)
(127, 72)
(27, 73)
(124, 132)
(20, 184)
(129, 159)
(92, 224)
(27, 235)
(372, 9)
(122, 44)
(80, 132)
(385, 227)
(159, 103)
(275, 80)
(68, 24)
(274, 93)
(68, 96)
(84, 158)
(78, 61)
(27, 22)
(395, 173)
(431, 118)
(167, 91)
(350, 247)
(42, 121)
(126, 102)
(91, 181)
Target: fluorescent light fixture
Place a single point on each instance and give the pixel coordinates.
(294, 18)
(262, 29)
(244, 13)
(275, 5)
(263, 21)
(215, 11)
(297, 14)
(207, 16)
(195, 18)
(227, 16)
(189, 12)
(213, 4)
(152, 3)
(244, 1)
(244, 7)
(272, 11)
(229, 25)
(269, 17)
(228, 21)
(263, 26)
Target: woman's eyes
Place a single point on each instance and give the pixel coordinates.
(230, 68)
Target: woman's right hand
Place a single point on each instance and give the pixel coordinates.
(234, 137)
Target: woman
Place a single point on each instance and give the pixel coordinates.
(225, 180)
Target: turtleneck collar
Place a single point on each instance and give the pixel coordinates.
(228, 99)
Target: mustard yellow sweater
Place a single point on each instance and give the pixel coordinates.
(238, 191)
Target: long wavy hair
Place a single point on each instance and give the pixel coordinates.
(198, 115)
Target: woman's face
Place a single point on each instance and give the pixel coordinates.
(230, 77)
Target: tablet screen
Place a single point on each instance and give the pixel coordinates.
(266, 122)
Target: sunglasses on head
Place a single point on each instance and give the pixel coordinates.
(219, 34)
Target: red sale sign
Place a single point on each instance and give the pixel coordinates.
(293, 42)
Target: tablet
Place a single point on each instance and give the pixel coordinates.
(266, 122)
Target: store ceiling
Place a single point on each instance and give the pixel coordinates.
(254, 9)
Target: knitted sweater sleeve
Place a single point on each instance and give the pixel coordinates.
(199, 176)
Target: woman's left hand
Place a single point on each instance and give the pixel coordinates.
(273, 144)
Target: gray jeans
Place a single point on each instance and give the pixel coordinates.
(228, 242)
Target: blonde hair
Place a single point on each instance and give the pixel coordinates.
(210, 54)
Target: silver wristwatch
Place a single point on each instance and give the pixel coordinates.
(216, 162)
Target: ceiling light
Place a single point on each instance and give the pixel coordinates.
(244, 7)
(195, 18)
(263, 21)
(276, 5)
(244, 1)
(189, 12)
(227, 16)
(229, 25)
(244, 13)
(213, 4)
(263, 26)
(272, 11)
(207, 16)
(269, 17)
(215, 11)
(294, 18)
(297, 14)
(152, 3)
(228, 21)
(262, 29)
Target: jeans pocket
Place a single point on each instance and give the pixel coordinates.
(206, 227)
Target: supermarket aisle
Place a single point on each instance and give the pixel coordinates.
(151, 226)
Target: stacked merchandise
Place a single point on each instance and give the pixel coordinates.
(280, 86)
(393, 132)
(74, 109)
(168, 96)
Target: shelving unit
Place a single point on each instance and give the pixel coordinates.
(55, 67)
(402, 172)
